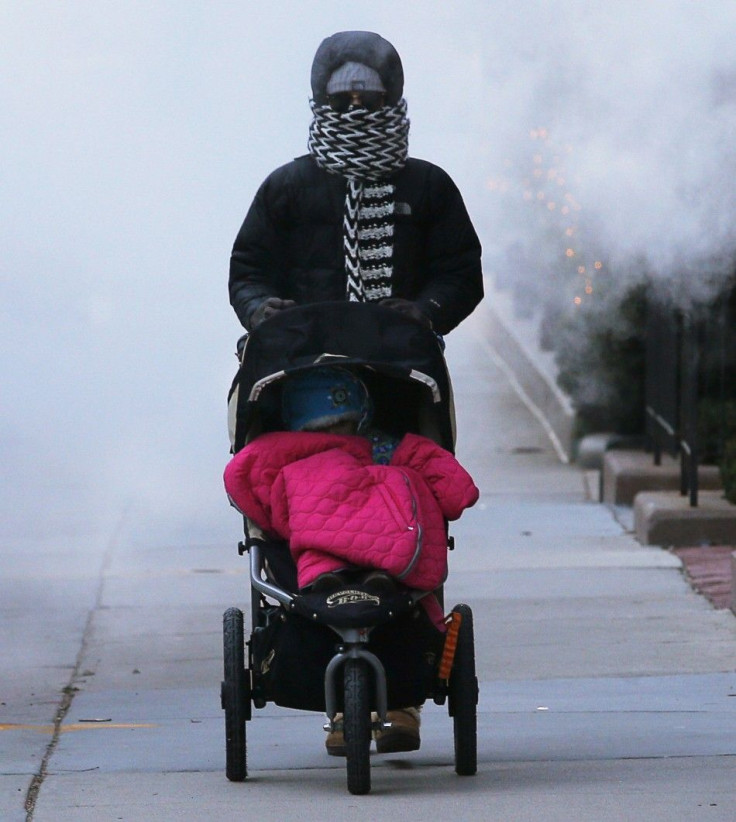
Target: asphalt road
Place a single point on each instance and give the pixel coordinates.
(608, 689)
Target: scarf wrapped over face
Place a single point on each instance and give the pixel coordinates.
(366, 147)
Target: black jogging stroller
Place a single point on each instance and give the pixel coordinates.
(350, 651)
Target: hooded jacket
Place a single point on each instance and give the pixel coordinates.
(365, 47)
(323, 494)
(291, 242)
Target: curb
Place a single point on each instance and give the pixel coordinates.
(515, 340)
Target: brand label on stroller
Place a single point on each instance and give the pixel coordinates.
(350, 597)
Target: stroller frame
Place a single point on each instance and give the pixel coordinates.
(365, 679)
(353, 640)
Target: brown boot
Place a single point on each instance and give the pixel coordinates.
(335, 742)
(403, 735)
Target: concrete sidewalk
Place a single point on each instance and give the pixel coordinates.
(645, 497)
(606, 681)
(562, 557)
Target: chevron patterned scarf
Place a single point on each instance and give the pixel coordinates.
(366, 148)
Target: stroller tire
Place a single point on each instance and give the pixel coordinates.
(357, 725)
(234, 695)
(463, 697)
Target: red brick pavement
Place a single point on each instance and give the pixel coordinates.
(708, 569)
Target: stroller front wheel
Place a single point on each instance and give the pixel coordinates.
(357, 725)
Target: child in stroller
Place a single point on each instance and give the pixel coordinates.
(346, 496)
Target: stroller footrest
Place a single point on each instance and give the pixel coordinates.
(352, 605)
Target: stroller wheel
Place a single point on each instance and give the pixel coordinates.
(234, 695)
(357, 725)
(463, 697)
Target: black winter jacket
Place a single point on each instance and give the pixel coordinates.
(291, 243)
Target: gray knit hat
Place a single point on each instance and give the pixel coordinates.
(353, 76)
(365, 48)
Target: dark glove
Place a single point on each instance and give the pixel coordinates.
(269, 307)
(407, 308)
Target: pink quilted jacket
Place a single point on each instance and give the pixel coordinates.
(323, 493)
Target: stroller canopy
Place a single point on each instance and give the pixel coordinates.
(400, 359)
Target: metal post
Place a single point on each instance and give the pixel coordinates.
(689, 409)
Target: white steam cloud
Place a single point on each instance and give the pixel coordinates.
(633, 105)
(135, 135)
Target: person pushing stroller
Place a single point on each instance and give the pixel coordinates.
(357, 218)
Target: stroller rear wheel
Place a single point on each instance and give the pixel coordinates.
(357, 725)
(463, 696)
(235, 695)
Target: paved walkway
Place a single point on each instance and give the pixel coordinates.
(607, 683)
(594, 601)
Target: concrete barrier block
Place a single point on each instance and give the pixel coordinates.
(628, 473)
(667, 519)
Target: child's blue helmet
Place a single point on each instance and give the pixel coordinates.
(324, 396)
